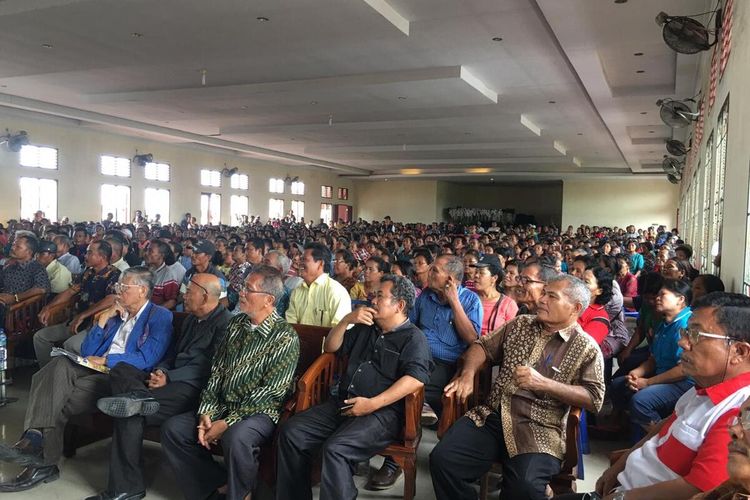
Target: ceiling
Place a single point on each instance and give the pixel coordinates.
(372, 88)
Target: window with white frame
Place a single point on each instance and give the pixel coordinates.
(116, 200)
(275, 208)
(156, 201)
(708, 165)
(210, 178)
(326, 212)
(326, 191)
(275, 185)
(116, 166)
(210, 209)
(38, 194)
(239, 206)
(719, 175)
(239, 181)
(156, 172)
(298, 188)
(298, 209)
(38, 157)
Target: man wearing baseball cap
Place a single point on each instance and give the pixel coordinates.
(59, 275)
(203, 252)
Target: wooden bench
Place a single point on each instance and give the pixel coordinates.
(21, 321)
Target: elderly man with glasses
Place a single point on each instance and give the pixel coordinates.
(133, 331)
(173, 387)
(251, 376)
(686, 453)
(547, 364)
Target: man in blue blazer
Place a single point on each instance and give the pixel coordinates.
(133, 331)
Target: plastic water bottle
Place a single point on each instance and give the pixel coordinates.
(3, 350)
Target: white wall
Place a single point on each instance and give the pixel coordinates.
(79, 180)
(404, 201)
(608, 202)
(733, 85)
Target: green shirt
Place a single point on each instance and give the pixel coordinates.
(252, 371)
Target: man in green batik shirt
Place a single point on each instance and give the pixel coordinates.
(251, 375)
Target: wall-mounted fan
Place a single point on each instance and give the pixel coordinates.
(14, 142)
(289, 180)
(229, 172)
(672, 165)
(685, 35)
(142, 160)
(676, 114)
(677, 148)
(674, 178)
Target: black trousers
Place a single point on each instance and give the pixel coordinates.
(467, 452)
(126, 460)
(197, 472)
(343, 442)
(439, 378)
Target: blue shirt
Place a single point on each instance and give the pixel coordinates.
(664, 348)
(437, 322)
(636, 263)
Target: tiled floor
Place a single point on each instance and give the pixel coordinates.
(86, 473)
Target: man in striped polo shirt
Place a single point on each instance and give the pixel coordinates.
(251, 375)
(685, 454)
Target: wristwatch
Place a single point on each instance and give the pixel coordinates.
(620, 495)
(16, 296)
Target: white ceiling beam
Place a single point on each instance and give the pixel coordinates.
(385, 9)
(394, 148)
(222, 92)
(47, 108)
(374, 164)
(478, 84)
(333, 125)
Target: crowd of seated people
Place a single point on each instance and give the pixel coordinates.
(408, 306)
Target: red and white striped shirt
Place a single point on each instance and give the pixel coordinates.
(692, 444)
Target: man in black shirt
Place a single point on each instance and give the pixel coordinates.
(171, 389)
(388, 358)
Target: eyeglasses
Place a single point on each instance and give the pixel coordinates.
(199, 286)
(244, 289)
(742, 419)
(694, 336)
(525, 280)
(121, 287)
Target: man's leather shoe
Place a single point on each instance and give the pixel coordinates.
(30, 477)
(128, 405)
(384, 478)
(117, 496)
(22, 453)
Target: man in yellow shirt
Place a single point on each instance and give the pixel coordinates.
(59, 275)
(320, 300)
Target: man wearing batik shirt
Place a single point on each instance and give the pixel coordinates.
(547, 365)
(686, 453)
(251, 375)
(22, 277)
(92, 288)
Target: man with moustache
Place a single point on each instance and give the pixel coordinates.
(685, 454)
(388, 358)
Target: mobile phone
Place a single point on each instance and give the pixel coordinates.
(346, 407)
